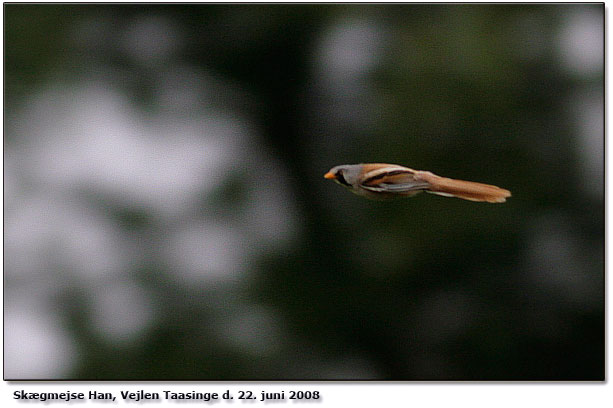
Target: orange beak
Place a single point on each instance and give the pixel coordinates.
(329, 176)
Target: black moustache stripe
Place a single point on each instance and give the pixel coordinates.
(341, 179)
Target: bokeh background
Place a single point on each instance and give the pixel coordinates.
(165, 215)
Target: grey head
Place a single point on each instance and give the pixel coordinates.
(345, 174)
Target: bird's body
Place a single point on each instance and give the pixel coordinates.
(381, 181)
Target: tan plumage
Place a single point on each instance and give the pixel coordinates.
(380, 180)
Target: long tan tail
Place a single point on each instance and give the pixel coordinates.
(468, 190)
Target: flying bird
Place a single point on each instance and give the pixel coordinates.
(381, 181)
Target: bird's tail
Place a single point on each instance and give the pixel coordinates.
(468, 190)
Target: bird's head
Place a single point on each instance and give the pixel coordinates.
(345, 174)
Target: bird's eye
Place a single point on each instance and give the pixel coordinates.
(341, 179)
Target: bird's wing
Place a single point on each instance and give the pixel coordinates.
(395, 180)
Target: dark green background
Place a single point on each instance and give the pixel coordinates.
(428, 288)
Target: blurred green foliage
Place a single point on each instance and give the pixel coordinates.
(422, 289)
